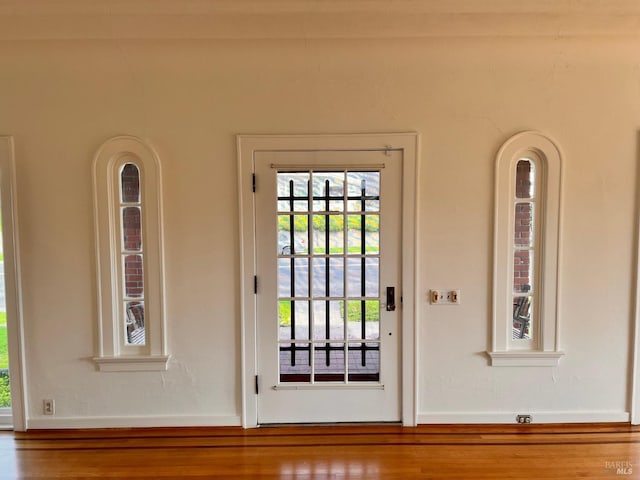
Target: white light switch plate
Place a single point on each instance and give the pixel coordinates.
(444, 297)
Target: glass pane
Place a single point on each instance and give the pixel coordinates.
(130, 183)
(284, 277)
(299, 277)
(134, 323)
(301, 205)
(354, 318)
(522, 271)
(370, 329)
(329, 362)
(319, 234)
(372, 320)
(133, 276)
(524, 224)
(372, 269)
(295, 362)
(372, 205)
(370, 229)
(320, 277)
(336, 277)
(284, 234)
(335, 319)
(284, 318)
(354, 234)
(355, 286)
(293, 320)
(293, 192)
(363, 191)
(328, 232)
(300, 234)
(328, 192)
(372, 234)
(320, 320)
(522, 314)
(364, 362)
(131, 229)
(301, 320)
(336, 234)
(5, 385)
(301, 272)
(525, 179)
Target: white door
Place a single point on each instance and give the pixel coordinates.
(328, 229)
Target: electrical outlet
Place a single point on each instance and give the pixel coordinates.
(48, 406)
(523, 418)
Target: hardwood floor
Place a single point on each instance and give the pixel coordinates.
(317, 452)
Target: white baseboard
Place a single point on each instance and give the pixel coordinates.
(6, 421)
(134, 422)
(510, 417)
(235, 421)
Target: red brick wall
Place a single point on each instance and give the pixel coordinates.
(132, 231)
(523, 226)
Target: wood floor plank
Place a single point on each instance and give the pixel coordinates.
(597, 451)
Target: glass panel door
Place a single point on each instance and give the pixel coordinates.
(334, 233)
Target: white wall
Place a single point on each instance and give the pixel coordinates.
(61, 99)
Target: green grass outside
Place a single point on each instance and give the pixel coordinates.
(4, 347)
(4, 350)
(372, 308)
(336, 223)
(353, 311)
(5, 393)
(371, 249)
(284, 313)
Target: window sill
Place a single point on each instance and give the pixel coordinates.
(525, 359)
(149, 363)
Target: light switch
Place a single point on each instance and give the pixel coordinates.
(435, 296)
(454, 296)
(444, 297)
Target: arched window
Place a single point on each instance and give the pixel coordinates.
(132, 256)
(128, 212)
(526, 241)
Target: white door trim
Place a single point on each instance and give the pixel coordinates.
(247, 145)
(635, 333)
(11, 245)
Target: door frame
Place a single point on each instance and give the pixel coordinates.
(247, 145)
(13, 290)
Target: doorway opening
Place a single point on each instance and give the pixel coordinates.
(327, 225)
(12, 398)
(5, 389)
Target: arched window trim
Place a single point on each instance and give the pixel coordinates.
(113, 354)
(543, 350)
